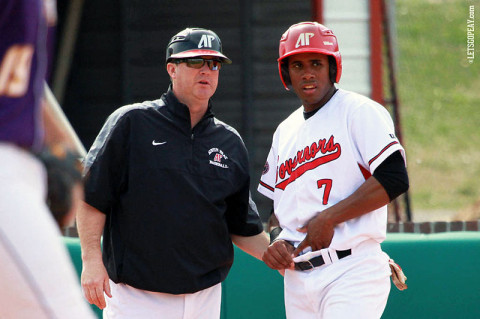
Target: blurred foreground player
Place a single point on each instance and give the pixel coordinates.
(37, 278)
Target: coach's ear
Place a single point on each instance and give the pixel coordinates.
(172, 69)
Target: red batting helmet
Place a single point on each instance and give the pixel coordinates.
(193, 42)
(309, 37)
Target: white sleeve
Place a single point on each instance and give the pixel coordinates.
(267, 180)
(373, 135)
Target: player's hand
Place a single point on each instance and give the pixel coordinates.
(279, 255)
(95, 282)
(319, 234)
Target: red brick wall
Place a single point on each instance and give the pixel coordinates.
(433, 227)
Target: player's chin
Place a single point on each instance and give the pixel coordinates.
(308, 94)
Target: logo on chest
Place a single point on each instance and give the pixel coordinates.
(217, 157)
(306, 159)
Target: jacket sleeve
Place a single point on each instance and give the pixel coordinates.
(242, 214)
(106, 165)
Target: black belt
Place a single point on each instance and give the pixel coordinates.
(318, 261)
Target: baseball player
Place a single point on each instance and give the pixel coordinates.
(37, 278)
(334, 165)
(168, 186)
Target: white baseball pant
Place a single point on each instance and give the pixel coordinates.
(128, 302)
(356, 286)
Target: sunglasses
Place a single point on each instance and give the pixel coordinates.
(198, 63)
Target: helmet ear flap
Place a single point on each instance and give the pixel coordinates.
(284, 72)
(332, 68)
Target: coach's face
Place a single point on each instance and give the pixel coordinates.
(310, 78)
(191, 84)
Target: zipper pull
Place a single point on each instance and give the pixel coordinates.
(192, 136)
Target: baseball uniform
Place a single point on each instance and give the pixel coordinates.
(313, 164)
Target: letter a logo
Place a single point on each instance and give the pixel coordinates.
(206, 41)
(304, 39)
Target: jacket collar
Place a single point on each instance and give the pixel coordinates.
(179, 109)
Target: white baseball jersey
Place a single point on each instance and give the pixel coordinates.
(315, 163)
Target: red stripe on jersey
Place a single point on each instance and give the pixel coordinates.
(381, 152)
(366, 173)
(270, 188)
(308, 166)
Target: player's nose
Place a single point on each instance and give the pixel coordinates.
(307, 75)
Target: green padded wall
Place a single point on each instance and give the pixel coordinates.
(442, 271)
(252, 290)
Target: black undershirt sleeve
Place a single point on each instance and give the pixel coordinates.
(392, 175)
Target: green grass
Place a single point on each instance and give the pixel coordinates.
(439, 93)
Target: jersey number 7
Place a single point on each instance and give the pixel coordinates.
(328, 187)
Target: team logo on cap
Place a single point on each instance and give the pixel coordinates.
(304, 39)
(217, 157)
(206, 41)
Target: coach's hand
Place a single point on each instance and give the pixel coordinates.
(95, 282)
(319, 233)
(279, 255)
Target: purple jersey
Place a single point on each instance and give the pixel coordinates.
(23, 61)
